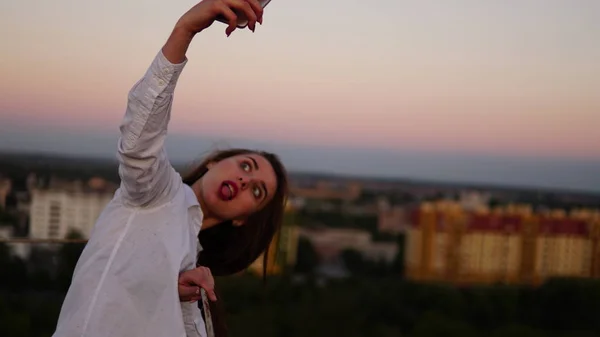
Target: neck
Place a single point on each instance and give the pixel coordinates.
(208, 222)
(208, 219)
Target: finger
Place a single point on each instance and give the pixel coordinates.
(188, 291)
(211, 295)
(257, 8)
(209, 279)
(244, 6)
(230, 16)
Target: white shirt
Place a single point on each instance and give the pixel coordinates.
(125, 282)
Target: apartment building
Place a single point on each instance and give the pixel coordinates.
(391, 219)
(66, 206)
(509, 244)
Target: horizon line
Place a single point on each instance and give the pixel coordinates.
(380, 177)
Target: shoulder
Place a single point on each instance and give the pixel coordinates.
(189, 196)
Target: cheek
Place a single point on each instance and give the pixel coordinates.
(211, 200)
(208, 192)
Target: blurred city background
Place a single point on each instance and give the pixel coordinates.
(444, 158)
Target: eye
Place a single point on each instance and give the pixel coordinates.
(246, 166)
(256, 191)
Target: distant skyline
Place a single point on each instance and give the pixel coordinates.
(512, 171)
(377, 88)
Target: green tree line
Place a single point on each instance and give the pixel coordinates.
(365, 305)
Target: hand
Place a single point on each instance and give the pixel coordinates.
(202, 15)
(191, 281)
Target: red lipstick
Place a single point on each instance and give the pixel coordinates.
(228, 190)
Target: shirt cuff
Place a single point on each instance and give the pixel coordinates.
(165, 74)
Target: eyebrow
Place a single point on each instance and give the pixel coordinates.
(262, 183)
(254, 162)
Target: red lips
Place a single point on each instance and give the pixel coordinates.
(228, 190)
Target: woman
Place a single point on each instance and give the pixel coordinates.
(228, 210)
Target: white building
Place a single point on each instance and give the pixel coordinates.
(330, 242)
(56, 211)
(473, 201)
(381, 251)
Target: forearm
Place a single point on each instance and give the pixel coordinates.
(177, 45)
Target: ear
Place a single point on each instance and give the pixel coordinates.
(238, 222)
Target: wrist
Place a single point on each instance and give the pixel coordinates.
(177, 44)
(182, 33)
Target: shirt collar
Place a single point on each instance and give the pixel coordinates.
(192, 202)
(190, 197)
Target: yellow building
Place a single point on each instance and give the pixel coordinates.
(505, 245)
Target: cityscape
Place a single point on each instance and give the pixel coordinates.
(337, 229)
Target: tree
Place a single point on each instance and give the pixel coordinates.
(5, 263)
(398, 263)
(68, 256)
(515, 330)
(307, 258)
(354, 262)
(433, 324)
(7, 218)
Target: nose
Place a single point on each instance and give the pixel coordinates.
(243, 183)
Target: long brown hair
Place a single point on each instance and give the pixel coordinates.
(229, 249)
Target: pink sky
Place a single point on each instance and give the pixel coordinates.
(523, 81)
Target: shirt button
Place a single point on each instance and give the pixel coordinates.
(161, 83)
(165, 70)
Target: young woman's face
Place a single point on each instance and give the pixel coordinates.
(238, 186)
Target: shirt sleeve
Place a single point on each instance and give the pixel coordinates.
(147, 177)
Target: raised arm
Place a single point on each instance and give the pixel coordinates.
(147, 177)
